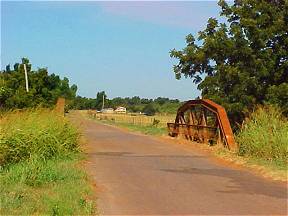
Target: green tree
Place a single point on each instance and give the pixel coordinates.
(44, 89)
(243, 61)
(161, 100)
(149, 109)
(99, 100)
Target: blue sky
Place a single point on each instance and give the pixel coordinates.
(120, 47)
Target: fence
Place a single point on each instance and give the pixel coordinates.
(136, 119)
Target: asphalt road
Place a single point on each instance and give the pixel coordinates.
(141, 175)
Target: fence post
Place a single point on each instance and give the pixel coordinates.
(60, 106)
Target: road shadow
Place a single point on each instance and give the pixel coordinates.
(114, 154)
(245, 182)
(131, 154)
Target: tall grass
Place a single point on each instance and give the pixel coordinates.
(265, 135)
(38, 133)
(39, 172)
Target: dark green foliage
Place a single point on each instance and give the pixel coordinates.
(155, 122)
(242, 62)
(99, 100)
(81, 103)
(279, 95)
(44, 89)
(149, 109)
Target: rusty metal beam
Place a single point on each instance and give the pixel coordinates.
(221, 115)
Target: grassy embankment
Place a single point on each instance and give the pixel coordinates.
(262, 141)
(40, 173)
(264, 137)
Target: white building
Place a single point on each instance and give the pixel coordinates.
(120, 110)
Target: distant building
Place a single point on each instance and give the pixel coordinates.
(120, 110)
(107, 110)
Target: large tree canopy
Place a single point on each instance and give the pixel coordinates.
(244, 61)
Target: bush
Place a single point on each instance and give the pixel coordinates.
(149, 109)
(265, 135)
(155, 122)
(37, 133)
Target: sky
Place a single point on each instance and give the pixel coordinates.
(119, 47)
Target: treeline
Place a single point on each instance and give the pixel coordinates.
(133, 104)
(44, 88)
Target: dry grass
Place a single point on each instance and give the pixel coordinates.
(142, 120)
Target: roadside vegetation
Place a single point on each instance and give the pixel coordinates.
(39, 160)
(264, 136)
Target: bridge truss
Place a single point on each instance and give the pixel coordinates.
(203, 121)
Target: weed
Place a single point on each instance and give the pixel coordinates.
(54, 187)
(265, 135)
(39, 153)
(38, 133)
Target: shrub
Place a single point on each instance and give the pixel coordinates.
(37, 133)
(265, 135)
(155, 122)
(149, 109)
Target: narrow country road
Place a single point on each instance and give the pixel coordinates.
(141, 175)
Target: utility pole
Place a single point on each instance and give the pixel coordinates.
(103, 101)
(26, 77)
